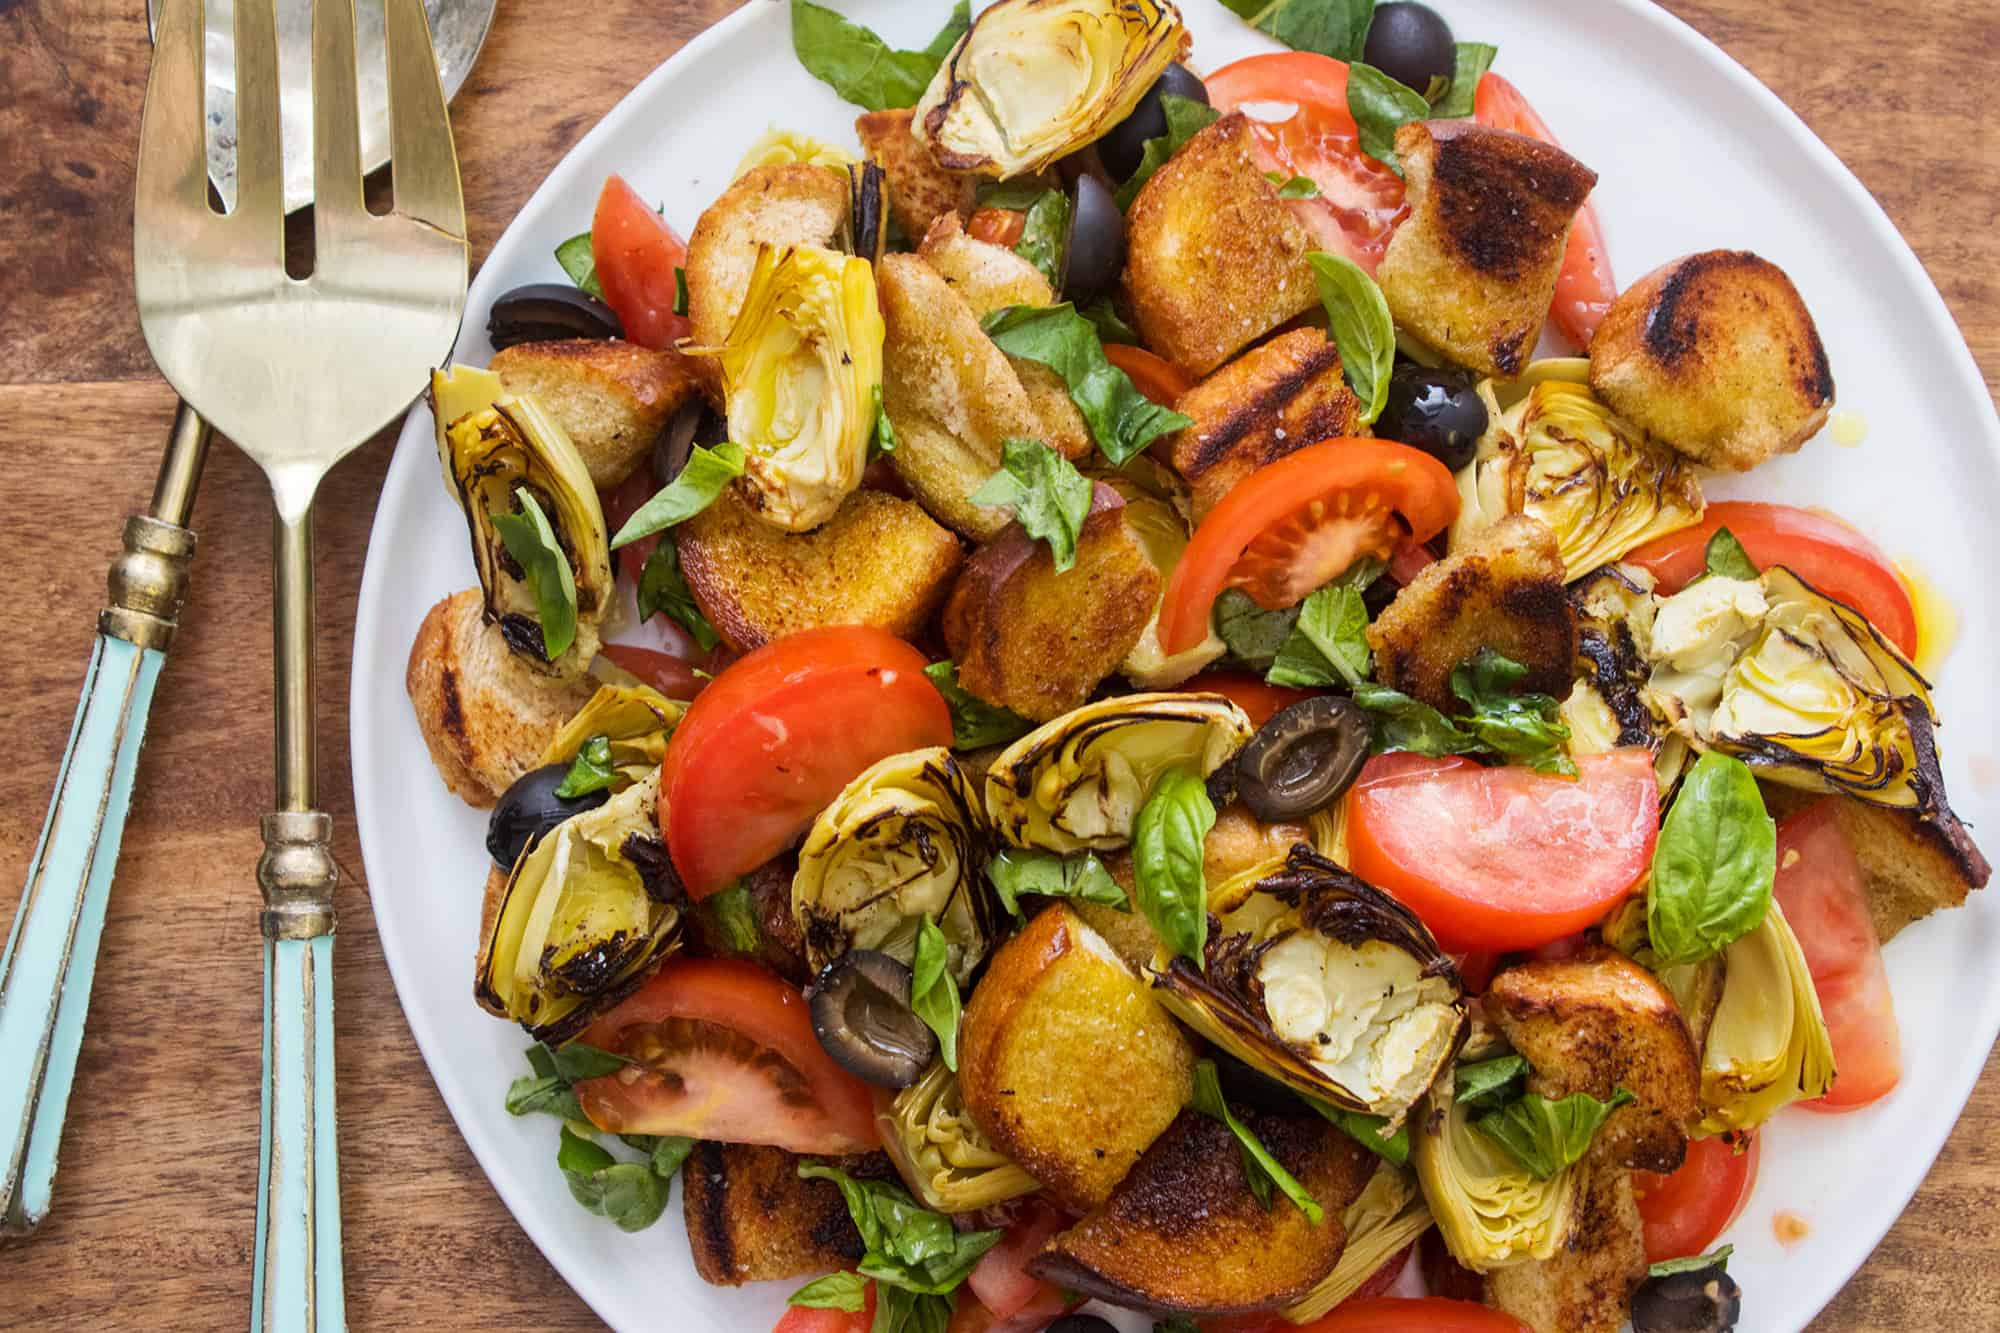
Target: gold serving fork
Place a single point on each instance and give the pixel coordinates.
(298, 372)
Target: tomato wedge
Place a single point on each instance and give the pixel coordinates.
(1253, 694)
(1361, 201)
(724, 1050)
(997, 226)
(1001, 1279)
(670, 675)
(1423, 1314)
(1153, 375)
(1821, 890)
(776, 735)
(1503, 858)
(636, 253)
(1825, 551)
(1291, 526)
(805, 1319)
(1585, 288)
(1687, 1209)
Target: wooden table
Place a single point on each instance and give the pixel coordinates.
(152, 1225)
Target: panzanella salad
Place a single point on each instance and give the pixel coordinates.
(1073, 715)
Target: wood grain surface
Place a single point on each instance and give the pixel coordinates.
(152, 1221)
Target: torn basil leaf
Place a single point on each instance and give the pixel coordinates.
(1122, 420)
(1017, 872)
(695, 489)
(664, 591)
(1050, 498)
(860, 66)
(975, 723)
(1185, 119)
(532, 543)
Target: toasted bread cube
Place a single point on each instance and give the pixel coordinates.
(1214, 258)
(1717, 355)
(485, 717)
(1067, 1062)
(1183, 1234)
(880, 560)
(1597, 1022)
(1503, 591)
(920, 191)
(750, 1218)
(1281, 396)
(1587, 1286)
(1473, 270)
(1038, 642)
(610, 398)
(1911, 864)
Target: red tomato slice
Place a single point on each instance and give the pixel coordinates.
(619, 504)
(1585, 288)
(775, 736)
(1155, 376)
(1360, 201)
(1444, 1275)
(1292, 525)
(1253, 694)
(1504, 858)
(670, 675)
(997, 226)
(1001, 1279)
(1426, 1314)
(1687, 1209)
(724, 1050)
(636, 253)
(1825, 551)
(1820, 888)
(801, 1319)
(1409, 560)
(1476, 968)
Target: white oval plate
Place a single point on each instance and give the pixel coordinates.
(1704, 157)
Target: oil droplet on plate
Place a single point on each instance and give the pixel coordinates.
(1789, 1227)
(1849, 428)
(1937, 619)
(1985, 773)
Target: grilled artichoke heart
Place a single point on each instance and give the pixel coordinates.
(800, 372)
(636, 719)
(1163, 536)
(490, 444)
(941, 1155)
(904, 841)
(1767, 1044)
(1388, 1214)
(586, 914)
(1076, 783)
(1325, 983)
(1033, 80)
(1602, 484)
(779, 147)
(1490, 1210)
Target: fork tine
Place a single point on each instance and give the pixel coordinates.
(260, 151)
(337, 205)
(173, 144)
(422, 162)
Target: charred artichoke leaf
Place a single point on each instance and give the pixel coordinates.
(1076, 783)
(1490, 1210)
(636, 719)
(491, 443)
(1163, 535)
(1034, 80)
(1767, 1044)
(800, 371)
(583, 919)
(1388, 1214)
(1327, 984)
(904, 841)
(941, 1154)
(781, 147)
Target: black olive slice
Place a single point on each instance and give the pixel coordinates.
(546, 311)
(868, 210)
(1121, 148)
(861, 1014)
(1701, 1300)
(1304, 759)
(1094, 252)
(530, 808)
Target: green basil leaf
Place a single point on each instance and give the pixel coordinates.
(1472, 61)
(1122, 420)
(1111, 328)
(1358, 315)
(732, 919)
(1545, 1136)
(1256, 1157)
(1017, 873)
(1366, 1130)
(1167, 842)
(1298, 187)
(835, 1291)
(628, 1193)
(975, 723)
(885, 430)
(580, 263)
(663, 590)
(1713, 865)
(695, 489)
(1337, 28)
(900, 1310)
(680, 290)
(542, 1061)
(1253, 635)
(934, 992)
(577, 1061)
(1185, 119)
(907, 1246)
(1527, 728)
(666, 1154)
(1694, 1263)
(1044, 232)
(1329, 644)
(1490, 1082)
(1049, 496)
(1017, 196)
(1406, 724)
(590, 771)
(548, 1095)
(1381, 106)
(1726, 558)
(863, 68)
(532, 542)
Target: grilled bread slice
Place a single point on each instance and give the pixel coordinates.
(485, 717)
(1598, 1022)
(1275, 398)
(751, 1219)
(1911, 865)
(920, 191)
(1214, 258)
(1473, 270)
(1587, 1286)
(1503, 591)
(1717, 355)
(1066, 1061)
(610, 398)
(1183, 1234)
(880, 560)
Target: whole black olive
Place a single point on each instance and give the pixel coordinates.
(1437, 411)
(1702, 1300)
(1304, 759)
(543, 311)
(1082, 1323)
(1411, 44)
(1121, 149)
(861, 1014)
(530, 808)
(1094, 251)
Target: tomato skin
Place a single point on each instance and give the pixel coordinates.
(670, 675)
(997, 226)
(1253, 694)
(1001, 1280)
(636, 253)
(802, 1319)
(1503, 858)
(1826, 552)
(1687, 1209)
(1151, 374)
(1821, 889)
(1425, 1314)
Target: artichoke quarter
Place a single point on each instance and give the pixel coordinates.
(636, 719)
(1491, 1211)
(1387, 1215)
(940, 1153)
(1767, 1044)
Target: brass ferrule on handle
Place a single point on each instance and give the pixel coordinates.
(297, 875)
(149, 581)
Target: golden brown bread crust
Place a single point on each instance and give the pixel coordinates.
(610, 398)
(1038, 642)
(1587, 1286)
(920, 191)
(1182, 1234)
(485, 717)
(1503, 591)
(1473, 269)
(1911, 864)
(1598, 1022)
(490, 899)
(1717, 355)
(880, 560)
(1281, 396)
(751, 1219)
(1214, 258)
